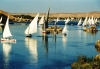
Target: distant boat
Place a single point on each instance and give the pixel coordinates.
(80, 22)
(20, 19)
(32, 28)
(7, 36)
(41, 22)
(0, 19)
(67, 20)
(0, 22)
(64, 31)
(85, 22)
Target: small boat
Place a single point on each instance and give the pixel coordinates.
(41, 22)
(44, 31)
(20, 19)
(7, 36)
(64, 31)
(80, 22)
(1, 24)
(67, 20)
(0, 19)
(85, 22)
(32, 28)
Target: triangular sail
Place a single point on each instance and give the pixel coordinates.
(92, 21)
(32, 28)
(85, 21)
(20, 19)
(64, 30)
(6, 32)
(67, 20)
(0, 19)
(89, 21)
(41, 20)
(79, 23)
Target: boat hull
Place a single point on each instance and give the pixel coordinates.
(8, 40)
(28, 35)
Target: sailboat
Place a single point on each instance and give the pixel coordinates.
(32, 28)
(20, 19)
(0, 19)
(85, 22)
(0, 22)
(41, 22)
(7, 36)
(64, 31)
(67, 20)
(80, 22)
(44, 31)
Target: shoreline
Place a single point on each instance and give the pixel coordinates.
(63, 15)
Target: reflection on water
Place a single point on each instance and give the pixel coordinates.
(6, 52)
(64, 40)
(28, 53)
(31, 44)
(54, 36)
(45, 41)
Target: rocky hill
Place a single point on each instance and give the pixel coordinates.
(5, 14)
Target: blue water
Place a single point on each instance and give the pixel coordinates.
(46, 52)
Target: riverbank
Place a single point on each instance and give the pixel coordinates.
(84, 62)
(27, 17)
(63, 15)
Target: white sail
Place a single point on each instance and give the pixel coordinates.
(92, 21)
(6, 32)
(0, 19)
(85, 22)
(20, 19)
(64, 30)
(67, 20)
(89, 21)
(32, 28)
(95, 21)
(79, 23)
(41, 20)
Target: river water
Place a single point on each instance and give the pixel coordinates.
(47, 52)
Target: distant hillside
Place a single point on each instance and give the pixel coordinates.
(63, 15)
(12, 18)
(15, 17)
(3, 13)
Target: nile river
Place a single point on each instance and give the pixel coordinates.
(47, 52)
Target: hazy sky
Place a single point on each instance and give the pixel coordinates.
(30, 6)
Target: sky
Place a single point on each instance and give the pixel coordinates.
(63, 6)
